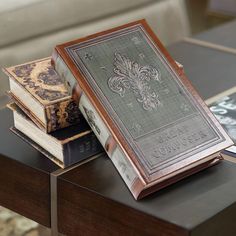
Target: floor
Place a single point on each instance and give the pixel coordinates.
(12, 224)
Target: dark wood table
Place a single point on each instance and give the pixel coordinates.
(92, 198)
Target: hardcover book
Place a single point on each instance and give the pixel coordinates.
(40, 92)
(223, 106)
(65, 147)
(150, 120)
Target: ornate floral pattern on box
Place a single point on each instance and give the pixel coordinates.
(43, 83)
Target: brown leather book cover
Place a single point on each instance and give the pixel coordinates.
(38, 90)
(145, 112)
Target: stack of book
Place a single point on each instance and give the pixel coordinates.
(46, 116)
(148, 117)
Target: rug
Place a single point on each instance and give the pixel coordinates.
(12, 224)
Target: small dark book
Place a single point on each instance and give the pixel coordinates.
(223, 107)
(65, 147)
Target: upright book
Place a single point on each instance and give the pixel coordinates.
(153, 124)
(40, 92)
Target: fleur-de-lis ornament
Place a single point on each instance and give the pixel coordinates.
(130, 75)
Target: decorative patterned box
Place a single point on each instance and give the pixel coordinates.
(38, 90)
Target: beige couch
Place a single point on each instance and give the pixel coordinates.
(30, 28)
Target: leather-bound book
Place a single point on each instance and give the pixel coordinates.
(65, 147)
(40, 92)
(145, 112)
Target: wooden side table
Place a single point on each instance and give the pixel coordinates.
(24, 175)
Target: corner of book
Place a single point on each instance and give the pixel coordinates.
(138, 195)
(138, 188)
(139, 21)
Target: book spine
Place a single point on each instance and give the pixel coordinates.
(123, 165)
(63, 71)
(61, 115)
(81, 149)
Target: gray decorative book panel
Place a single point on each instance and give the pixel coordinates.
(174, 142)
(144, 97)
(130, 75)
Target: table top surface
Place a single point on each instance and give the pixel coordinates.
(223, 35)
(211, 71)
(187, 203)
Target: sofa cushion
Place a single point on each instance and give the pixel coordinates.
(167, 18)
(24, 19)
(12, 5)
